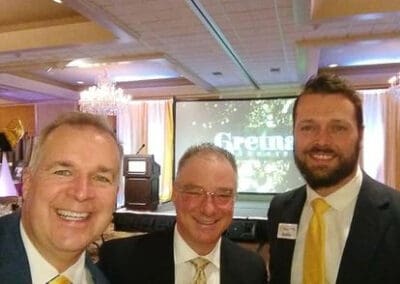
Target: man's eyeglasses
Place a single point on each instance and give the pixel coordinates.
(197, 194)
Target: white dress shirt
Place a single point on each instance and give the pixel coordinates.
(42, 271)
(337, 222)
(185, 271)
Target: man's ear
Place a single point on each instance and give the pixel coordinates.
(362, 137)
(173, 197)
(26, 181)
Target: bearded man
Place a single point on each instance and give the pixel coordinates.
(342, 226)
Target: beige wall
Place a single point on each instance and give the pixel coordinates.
(47, 112)
(34, 117)
(26, 113)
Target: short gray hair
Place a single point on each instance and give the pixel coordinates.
(76, 119)
(207, 148)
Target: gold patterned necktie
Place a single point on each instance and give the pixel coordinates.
(59, 279)
(200, 275)
(314, 246)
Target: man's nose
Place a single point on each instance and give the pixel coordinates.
(323, 136)
(208, 204)
(82, 188)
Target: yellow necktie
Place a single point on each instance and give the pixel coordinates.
(59, 279)
(200, 275)
(314, 247)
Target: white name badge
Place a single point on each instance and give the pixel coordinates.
(287, 231)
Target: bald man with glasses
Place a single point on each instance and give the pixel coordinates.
(194, 251)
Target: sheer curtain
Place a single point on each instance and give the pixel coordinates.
(150, 123)
(160, 142)
(392, 149)
(372, 157)
(380, 153)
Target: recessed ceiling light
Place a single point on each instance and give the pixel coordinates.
(333, 65)
(58, 1)
(81, 63)
(80, 82)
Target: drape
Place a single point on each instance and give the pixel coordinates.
(151, 123)
(372, 153)
(381, 146)
(392, 145)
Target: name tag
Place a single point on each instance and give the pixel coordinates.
(287, 231)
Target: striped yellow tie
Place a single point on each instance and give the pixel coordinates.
(200, 275)
(314, 247)
(59, 279)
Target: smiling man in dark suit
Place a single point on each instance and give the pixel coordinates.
(359, 223)
(203, 194)
(69, 195)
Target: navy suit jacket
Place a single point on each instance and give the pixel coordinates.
(14, 266)
(372, 250)
(150, 259)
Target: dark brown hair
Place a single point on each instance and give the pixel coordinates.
(330, 84)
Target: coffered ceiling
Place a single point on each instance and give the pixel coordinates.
(192, 48)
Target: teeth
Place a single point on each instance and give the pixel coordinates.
(71, 215)
(322, 156)
(206, 222)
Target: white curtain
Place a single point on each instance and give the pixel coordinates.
(392, 142)
(373, 154)
(381, 155)
(146, 122)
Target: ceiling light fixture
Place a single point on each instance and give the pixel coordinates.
(84, 63)
(104, 98)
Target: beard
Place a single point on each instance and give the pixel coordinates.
(320, 177)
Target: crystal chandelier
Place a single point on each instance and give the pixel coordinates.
(104, 98)
(394, 81)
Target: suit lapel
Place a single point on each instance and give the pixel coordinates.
(225, 276)
(93, 273)
(291, 212)
(166, 274)
(366, 229)
(15, 269)
(165, 257)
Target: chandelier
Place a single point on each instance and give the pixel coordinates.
(394, 81)
(104, 98)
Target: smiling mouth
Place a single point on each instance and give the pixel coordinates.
(322, 156)
(206, 222)
(72, 215)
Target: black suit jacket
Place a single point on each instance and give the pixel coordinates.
(372, 250)
(14, 266)
(150, 259)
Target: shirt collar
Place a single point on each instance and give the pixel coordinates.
(183, 252)
(339, 199)
(42, 271)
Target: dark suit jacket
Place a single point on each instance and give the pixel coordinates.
(14, 266)
(150, 259)
(372, 250)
